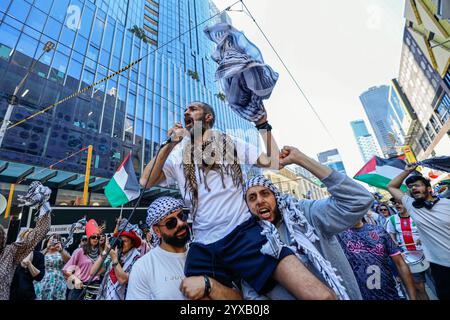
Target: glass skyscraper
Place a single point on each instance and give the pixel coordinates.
(376, 105)
(364, 139)
(131, 111)
(332, 159)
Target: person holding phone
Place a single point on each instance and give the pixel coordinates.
(53, 285)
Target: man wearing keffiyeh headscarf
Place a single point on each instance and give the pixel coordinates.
(159, 274)
(310, 226)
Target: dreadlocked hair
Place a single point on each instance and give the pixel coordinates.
(218, 153)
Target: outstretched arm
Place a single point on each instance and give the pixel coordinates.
(23, 249)
(270, 159)
(349, 200)
(394, 186)
(158, 175)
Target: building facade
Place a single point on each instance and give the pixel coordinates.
(332, 159)
(131, 111)
(376, 105)
(364, 140)
(297, 185)
(424, 74)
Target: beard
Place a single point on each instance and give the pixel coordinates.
(420, 196)
(175, 241)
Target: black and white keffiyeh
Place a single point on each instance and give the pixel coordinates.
(244, 77)
(125, 226)
(158, 210)
(301, 233)
(37, 198)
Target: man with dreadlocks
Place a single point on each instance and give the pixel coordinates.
(311, 226)
(229, 244)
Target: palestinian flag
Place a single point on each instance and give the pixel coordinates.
(124, 186)
(379, 172)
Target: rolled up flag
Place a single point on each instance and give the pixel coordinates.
(437, 163)
(244, 77)
(124, 186)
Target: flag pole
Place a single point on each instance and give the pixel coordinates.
(87, 176)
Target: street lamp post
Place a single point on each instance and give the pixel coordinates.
(13, 99)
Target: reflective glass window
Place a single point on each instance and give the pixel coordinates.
(36, 19)
(97, 32)
(19, 9)
(93, 53)
(52, 28)
(4, 5)
(107, 42)
(59, 9)
(81, 44)
(139, 128)
(104, 58)
(32, 32)
(67, 36)
(86, 22)
(44, 5)
(9, 36)
(131, 104)
(59, 66)
(26, 45)
(74, 73)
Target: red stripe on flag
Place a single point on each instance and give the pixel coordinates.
(124, 161)
(369, 167)
(405, 225)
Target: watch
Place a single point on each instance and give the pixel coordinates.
(114, 264)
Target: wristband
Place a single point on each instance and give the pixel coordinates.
(207, 286)
(264, 126)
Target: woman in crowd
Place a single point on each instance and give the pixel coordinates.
(77, 269)
(117, 269)
(30, 269)
(384, 212)
(11, 255)
(53, 286)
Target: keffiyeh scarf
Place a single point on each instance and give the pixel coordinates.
(217, 153)
(110, 288)
(157, 211)
(127, 227)
(301, 233)
(37, 197)
(243, 76)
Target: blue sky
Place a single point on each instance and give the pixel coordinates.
(336, 50)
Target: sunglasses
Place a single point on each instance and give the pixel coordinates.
(383, 209)
(173, 222)
(95, 237)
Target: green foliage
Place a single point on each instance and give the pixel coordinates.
(139, 33)
(194, 75)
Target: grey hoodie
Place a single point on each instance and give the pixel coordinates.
(349, 202)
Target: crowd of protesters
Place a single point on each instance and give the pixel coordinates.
(247, 239)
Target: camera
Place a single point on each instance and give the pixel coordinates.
(116, 242)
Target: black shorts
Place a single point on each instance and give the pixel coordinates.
(237, 256)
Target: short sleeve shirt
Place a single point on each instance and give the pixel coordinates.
(222, 208)
(368, 250)
(434, 229)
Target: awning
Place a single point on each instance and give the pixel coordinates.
(13, 172)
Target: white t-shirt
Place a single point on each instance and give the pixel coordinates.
(222, 209)
(157, 276)
(434, 229)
